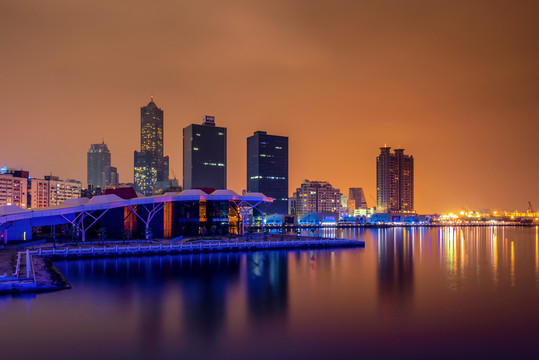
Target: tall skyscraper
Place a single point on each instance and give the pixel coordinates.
(394, 181)
(150, 164)
(357, 198)
(98, 160)
(204, 155)
(267, 169)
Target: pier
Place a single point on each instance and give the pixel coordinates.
(35, 271)
(198, 246)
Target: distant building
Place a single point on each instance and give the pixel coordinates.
(343, 211)
(356, 199)
(316, 197)
(171, 185)
(14, 187)
(150, 164)
(204, 155)
(110, 177)
(90, 192)
(52, 191)
(394, 181)
(98, 159)
(267, 169)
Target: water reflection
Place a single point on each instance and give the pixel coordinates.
(413, 287)
(395, 269)
(205, 284)
(267, 285)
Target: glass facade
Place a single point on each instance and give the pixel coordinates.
(267, 169)
(97, 160)
(204, 156)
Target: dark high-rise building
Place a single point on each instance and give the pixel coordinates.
(394, 181)
(267, 169)
(98, 160)
(110, 176)
(357, 196)
(204, 155)
(150, 164)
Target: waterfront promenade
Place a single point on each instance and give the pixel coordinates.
(34, 270)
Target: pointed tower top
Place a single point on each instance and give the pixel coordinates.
(151, 103)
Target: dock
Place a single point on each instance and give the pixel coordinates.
(198, 246)
(35, 270)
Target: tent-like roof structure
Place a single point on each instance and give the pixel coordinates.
(193, 192)
(70, 208)
(11, 209)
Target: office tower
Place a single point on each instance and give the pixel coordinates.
(14, 187)
(98, 160)
(52, 191)
(315, 197)
(356, 199)
(110, 176)
(267, 169)
(394, 181)
(204, 155)
(150, 164)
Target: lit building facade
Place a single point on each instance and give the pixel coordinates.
(316, 197)
(204, 155)
(14, 187)
(150, 166)
(52, 191)
(97, 160)
(394, 181)
(267, 169)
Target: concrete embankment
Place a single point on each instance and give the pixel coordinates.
(43, 276)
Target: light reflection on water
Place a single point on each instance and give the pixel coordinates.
(417, 289)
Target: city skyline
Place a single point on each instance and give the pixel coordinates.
(459, 101)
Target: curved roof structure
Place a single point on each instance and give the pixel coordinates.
(13, 213)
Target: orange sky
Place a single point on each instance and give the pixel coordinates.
(455, 83)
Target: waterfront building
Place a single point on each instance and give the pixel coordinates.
(150, 166)
(110, 176)
(356, 199)
(51, 191)
(119, 211)
(14, 187)
(394, 181)
(267, 169)
(316, 197)
(204, 155)
(98, 159)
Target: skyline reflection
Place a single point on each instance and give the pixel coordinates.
(407, 284)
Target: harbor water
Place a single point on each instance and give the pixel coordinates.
(445, 293)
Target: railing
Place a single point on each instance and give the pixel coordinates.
(18, 265)
(28, 264)
(195, 246)
(30, 273)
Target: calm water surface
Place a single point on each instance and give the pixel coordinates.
(410, 293)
